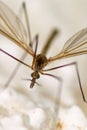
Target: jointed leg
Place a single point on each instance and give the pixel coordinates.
(35, 52)
(30, 45)
(15, 71)
(58, 94)
(19, 61)
(15, 58)
(49, 40)
(77, 71)
(27, 23)
(25, 54)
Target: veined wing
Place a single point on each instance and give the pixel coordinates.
(76, 45)
(12, 27)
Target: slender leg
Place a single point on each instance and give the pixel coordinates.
(49, 40)
(77, 71)
(15, 58)
(24, 54)
(15, 71)
(35, 52)
(27, 23)
(58, 94)
(30, 44)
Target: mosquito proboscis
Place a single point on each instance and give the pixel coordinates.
(12, 28)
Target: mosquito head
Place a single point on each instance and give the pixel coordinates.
(35, 75)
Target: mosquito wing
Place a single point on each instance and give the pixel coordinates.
(12, 27)
(76, 45)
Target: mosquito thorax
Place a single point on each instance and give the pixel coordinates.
(40, 62)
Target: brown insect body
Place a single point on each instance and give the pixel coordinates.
(39, 64)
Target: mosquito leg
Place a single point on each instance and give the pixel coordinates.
(35, 52)
(15, 58)
(14, 71)
(59, 92)
(13, 74)
(26, 14)
(78, 76)
(27, 23)
(24, 54)
(49, 40)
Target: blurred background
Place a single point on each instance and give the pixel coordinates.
(44, 15)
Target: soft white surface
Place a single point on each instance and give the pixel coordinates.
(20, 112)
(72, 118)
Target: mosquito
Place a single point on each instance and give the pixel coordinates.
(12, 27)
